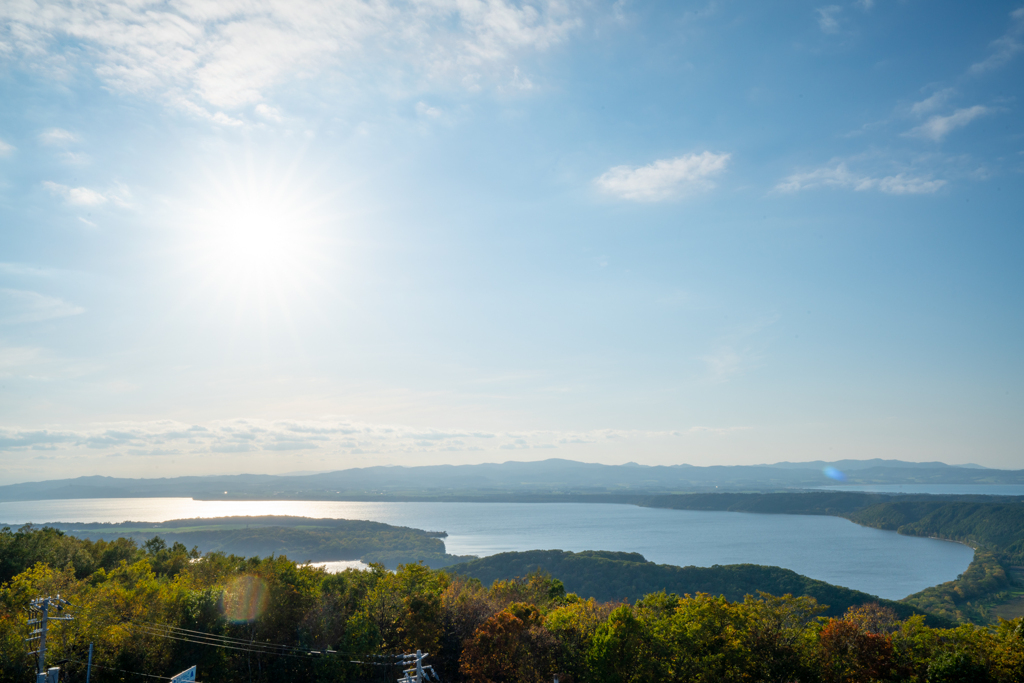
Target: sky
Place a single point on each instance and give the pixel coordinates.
(274, 237)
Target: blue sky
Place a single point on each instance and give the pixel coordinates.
(272, 237)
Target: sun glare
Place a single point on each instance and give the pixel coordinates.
(256, 244)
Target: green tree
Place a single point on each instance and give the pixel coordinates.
(622, 650)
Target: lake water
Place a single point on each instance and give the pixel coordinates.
(941, 489)
(832, 549)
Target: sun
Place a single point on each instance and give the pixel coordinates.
(257, 242)
(252, 242)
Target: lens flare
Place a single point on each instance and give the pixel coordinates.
(245, 599)
(833, 473)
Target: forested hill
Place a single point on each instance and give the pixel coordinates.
(629, 576)
(145, 614)
(300, 538)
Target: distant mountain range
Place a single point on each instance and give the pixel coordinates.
(546, 479)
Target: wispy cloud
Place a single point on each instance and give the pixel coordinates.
(269, 113)
(723, 364)
(84, 196)
(1005, 47)
(168, 437)
(76, 196)
(23, 306)
(929, 104)
(938, 127)
(840, 176)
(208, 53)
(5, 148)
(665, 178)
(57, 136)
(425, 110)
(828, 21)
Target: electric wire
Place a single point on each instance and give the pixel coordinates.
(124, 671)
(253, 650)
(199, 635)
(232, 643)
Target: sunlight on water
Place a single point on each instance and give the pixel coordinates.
(341, 565)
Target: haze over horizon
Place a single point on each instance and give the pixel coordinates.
(306, 236)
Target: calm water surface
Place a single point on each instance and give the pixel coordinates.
(835, 550)
(947, 489)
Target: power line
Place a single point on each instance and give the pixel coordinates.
(229, 642)
(253, 650)
(163, 630)
(124, 671)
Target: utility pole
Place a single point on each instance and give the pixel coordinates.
(419, 673)
(40, 611)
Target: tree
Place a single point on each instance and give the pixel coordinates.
(510, 647)
(702, 642)
(849, 655)
(622, 650)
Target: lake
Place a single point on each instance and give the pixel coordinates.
(831, 549)
(937, 489)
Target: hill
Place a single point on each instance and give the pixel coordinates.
(300, 538)
(629, 576)
(521, 481)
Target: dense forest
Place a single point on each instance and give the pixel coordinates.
(613, 576)
(157, 610)
(304, 538)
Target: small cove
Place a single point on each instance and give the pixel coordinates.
(831, 549)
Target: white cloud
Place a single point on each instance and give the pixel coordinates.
(269, 113)
(22, 306)
(425, 110)
(1005, 47)
(827, 20)
(224, 55)
(938, 127)
(665, 178)
(932, 102)
(519, 81)
(905, 184)
(5, 148)
(273, 436)
(76, 196)
(57, 136)
(841, 177)
(75, 159)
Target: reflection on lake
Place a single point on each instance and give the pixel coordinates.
(835, 550)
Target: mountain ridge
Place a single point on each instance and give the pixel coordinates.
(512, 478)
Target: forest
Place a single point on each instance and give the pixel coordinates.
(629, 576)
(156, 610)
(304, 538)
